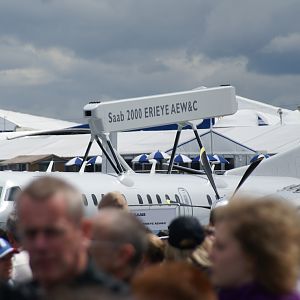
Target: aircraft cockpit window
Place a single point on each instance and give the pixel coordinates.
(95, 199)
(158, 199)
(84, 199)
(149, 199)
(140, 199)
(12, 193)
(177, 198)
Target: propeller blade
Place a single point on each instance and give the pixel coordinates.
(187, 170)
(66, 131)
(204, 161)
(248, 172)
(208, 171)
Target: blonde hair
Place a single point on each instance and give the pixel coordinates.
(113, 200)
(198, 257)
(268, 231)
(175, 254)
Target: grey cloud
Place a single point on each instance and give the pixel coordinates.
(56, 55)
(92, 28)
(249, 27)
(284, 44)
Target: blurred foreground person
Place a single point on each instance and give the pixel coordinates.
(172, 281)
(113, 200)
(6, 254)
(21, 271)
(256, 253)
(119, 243)
(56, 236)
(187, 243)
(84, 293)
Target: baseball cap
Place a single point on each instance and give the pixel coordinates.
(5, 248)
(186, 233)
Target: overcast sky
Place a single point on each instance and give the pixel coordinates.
(56, 55)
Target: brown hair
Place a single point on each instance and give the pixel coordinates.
(176, 281)
(113, 200)
(122, 227)
(268, 230)
(155, 249)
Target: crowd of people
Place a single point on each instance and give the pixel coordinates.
(50, 250)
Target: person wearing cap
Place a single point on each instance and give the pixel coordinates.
(6, 254)
(186, 242)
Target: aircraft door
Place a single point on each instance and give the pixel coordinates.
(186, 201)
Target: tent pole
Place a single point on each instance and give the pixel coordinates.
(107, 155)
(211, 137)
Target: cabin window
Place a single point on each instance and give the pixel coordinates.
(140, 199)
(12, 193)
(95, 199)
(177, 198)
(158, 199)
(84, 199)
(149, 199)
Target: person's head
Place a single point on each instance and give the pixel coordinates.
(12, 229)
(155, 251)
(257, 241)
(52, 229)
(185, 235)
(172, 281)
(119, 243)
(113, 200)
(6, 254)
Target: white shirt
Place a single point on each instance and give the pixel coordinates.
(21, 271)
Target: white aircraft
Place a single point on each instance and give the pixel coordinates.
(158, 198)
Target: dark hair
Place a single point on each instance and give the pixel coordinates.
(156, 249)
(3, 234)
(12, 226)
(123, 228)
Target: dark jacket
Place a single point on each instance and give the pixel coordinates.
(253, 291)
(90, 279)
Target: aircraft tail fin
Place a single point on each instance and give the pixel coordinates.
(286, 164)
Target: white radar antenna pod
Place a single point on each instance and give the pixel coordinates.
(157, 110)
